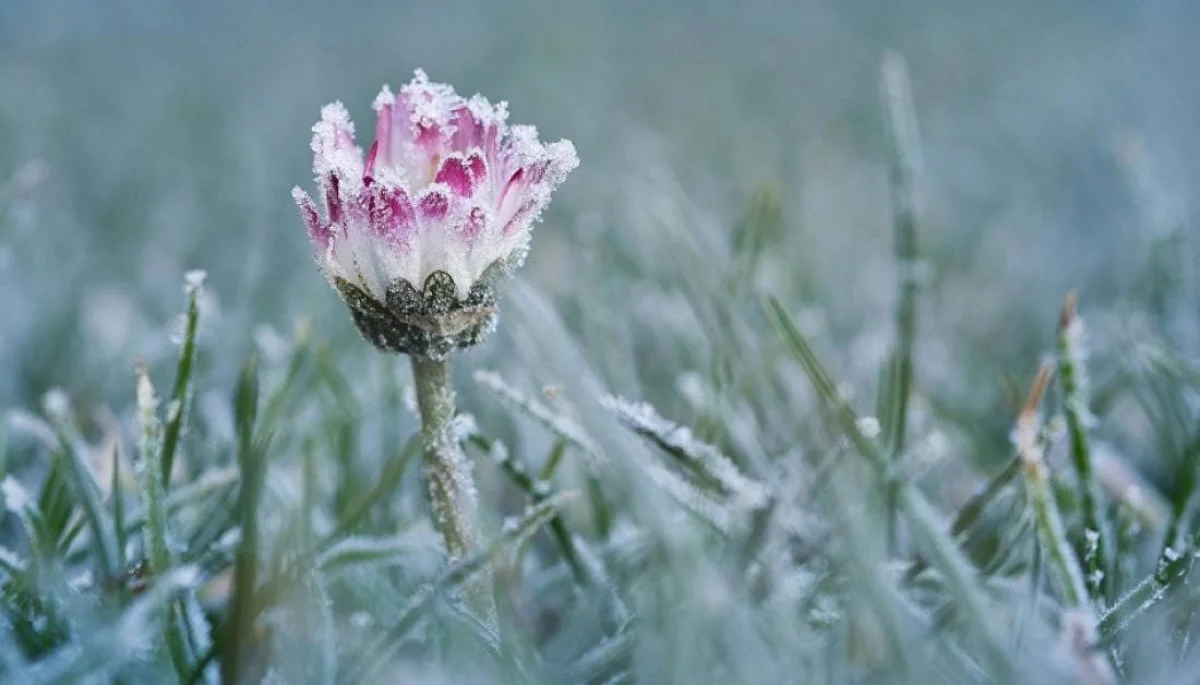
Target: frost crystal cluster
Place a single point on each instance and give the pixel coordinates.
(415, 236)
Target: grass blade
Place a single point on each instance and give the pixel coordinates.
(538, 492)
(72, 452)
(1073, 381)
(456, 577)
(102, 652)
(921, 517)
(181, 395)
(154, 534)
(117, 505)
(555, 423)
(1068, 576)
(1173, 567)
(711, 469)
(251, 460)
(904, 161)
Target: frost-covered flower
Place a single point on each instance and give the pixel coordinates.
(415, 236)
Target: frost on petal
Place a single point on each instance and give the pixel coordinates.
(391, 214)
(521, 219)
(369, 169)
(337, 161)
(469, 130)
(318, 232)
(514, 182)
(334, 150)
(447, 186)
(433, 204)
(476, 167)
(473, 224)
(454, 173)
(563, 160)
(384, 105)
(428, 106)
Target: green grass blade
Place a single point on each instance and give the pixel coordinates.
(904, 162)
(117, 507)
(1072, 380)
(155, 533)
(457, 576)
(924, 523)
(538, 491)
(179, 406)
(238, 630)
(73, 454)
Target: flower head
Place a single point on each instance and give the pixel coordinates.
(414, 236)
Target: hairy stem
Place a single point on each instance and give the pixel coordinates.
(448, 474)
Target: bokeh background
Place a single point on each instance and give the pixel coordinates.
(147, 138)
(1060, 146)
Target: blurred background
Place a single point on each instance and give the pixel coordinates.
(1060, 149)
(140, 139)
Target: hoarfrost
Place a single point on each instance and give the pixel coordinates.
(57, 404)
(16, 497)
(510, 525)
(556, 423)
(194, 280)
(500, 454)
(229, 540)
(21, 421)
(174, 407)
(643, 419)
(462, 427)
(9, 559)
(869, 426)
(82, 580)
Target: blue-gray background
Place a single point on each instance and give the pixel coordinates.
(146, 138)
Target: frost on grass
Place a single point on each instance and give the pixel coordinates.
(694, 500)
(556, 423)
(10, 562)
(390, 551)
(679, 441)
(462, 427)
(22, 422)
(16, 497)
(97, 654)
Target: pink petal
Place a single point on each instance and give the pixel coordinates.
(433, 204)
(384, 122)
(468, 130)
(391, 214)
(370, 166)
(513, 182)
(522, 217)
(477, 167)
(427, 136)
(537, 171)
(318, 232)
(333, 200)
(474, 224)
(454, 173)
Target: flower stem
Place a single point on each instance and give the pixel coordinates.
(451, 487)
